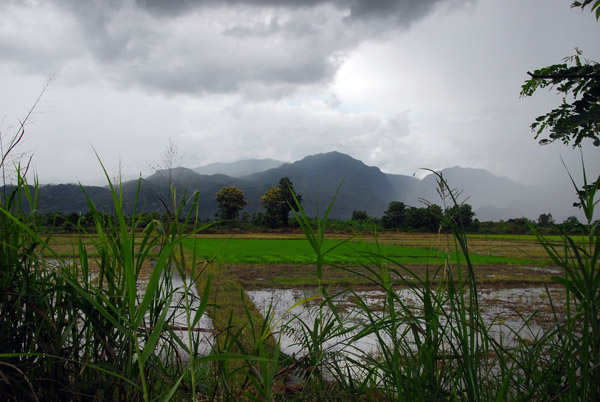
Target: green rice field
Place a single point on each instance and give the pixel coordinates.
(292, 251)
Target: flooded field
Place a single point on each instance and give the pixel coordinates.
(504, 310)
(376, 320)
(513, 299)
(508, 295)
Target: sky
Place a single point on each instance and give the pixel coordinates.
(402, 85)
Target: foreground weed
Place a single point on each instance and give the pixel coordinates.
(575, 338)
(88, 328)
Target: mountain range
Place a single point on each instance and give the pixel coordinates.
(317, 178)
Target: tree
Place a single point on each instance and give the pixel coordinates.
(545, 220)
(359, 216)
(461, 214)
(578, 116)
(571, 224)
(272, 204)
(585, 3)
(414, 217)
(427, 219)
(257, 218)
(519, 225)
(278, 202)
(578, 81)
(288, 202)
(433, 218)
(231, 201)
(395, 216)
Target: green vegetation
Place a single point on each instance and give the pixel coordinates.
(231, 201)
(574, 120)
(278, 202)
(269, 251)
(577, 80)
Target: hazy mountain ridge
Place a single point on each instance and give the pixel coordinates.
(239, 168)
(317, 178)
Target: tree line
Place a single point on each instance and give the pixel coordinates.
(278, 202)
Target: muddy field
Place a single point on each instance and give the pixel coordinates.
(257, 276)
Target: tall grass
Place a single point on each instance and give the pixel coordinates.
(575, 342)
(86, 328)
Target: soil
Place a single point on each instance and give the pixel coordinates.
(258, 276)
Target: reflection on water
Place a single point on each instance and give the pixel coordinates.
(502, 309)
(202, 333)
(179, 315)
(176, 317)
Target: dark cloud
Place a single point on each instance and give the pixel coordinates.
(226, 46)
(403, 11)
(406, 11)
(253, 74)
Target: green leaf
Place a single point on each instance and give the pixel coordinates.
(155, 336)
(568, 285)
(203, 303)
(152, 284)
(171, 392)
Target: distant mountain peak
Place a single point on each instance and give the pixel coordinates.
(331, 158)
(331, 155)
(176, 173)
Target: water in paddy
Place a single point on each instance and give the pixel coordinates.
(502, 309)
(203, 331)
(203, 328)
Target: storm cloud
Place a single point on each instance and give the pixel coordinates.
(403, 11)
(261, 48)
